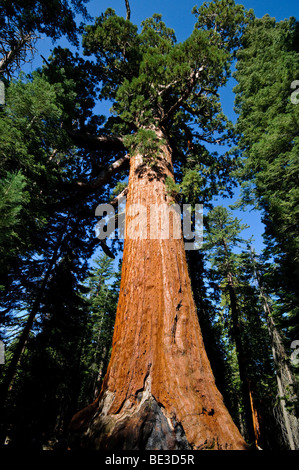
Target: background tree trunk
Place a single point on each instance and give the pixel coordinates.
(285, 383)
(252, 435)
(284, 377)
(22, 341)
(159, 391)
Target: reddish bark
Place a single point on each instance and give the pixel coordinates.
(159, 391)
(256, 422)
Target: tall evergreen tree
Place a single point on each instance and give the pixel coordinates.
(48, 380)
(160, 89)
(42, 197)
(287, 387)
(102, 294)
(247, 326)
(267, 66)
(207, 303)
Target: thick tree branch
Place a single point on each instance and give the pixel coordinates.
(105, 175)
(165, 88)
(117, 198)
(79, 189)
(211, 140)
(96, 142)
(128, 10)
(102, 243)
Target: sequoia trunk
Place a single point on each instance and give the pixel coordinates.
(159, 391)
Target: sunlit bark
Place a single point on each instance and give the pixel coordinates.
(159, 391)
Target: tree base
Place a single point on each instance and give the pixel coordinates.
(147, 429)
(140, 424)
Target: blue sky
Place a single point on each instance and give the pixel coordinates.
(177, 15)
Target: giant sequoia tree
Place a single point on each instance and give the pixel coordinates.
(159, 391)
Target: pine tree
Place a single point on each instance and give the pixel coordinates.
(268, 129)
(12, 196)
(48, 380)
(102, 294)
(208, 302)
(247, 325)
(286, 379)
(27, 142)
(42, 196)
(267, 124)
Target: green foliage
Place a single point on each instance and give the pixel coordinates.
(232, 269)
(153, 80)
(225, 22)
(192, 185)
(102, 295)
(190, 190)
(268, 63)
(119, 187)
(29, 133)
(54, 18)
(172, 188)
(12, 195)
(35, 146)
(12, 198)
(116, 54)
(146, 143)
(223, 231)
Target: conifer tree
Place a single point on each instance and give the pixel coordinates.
(159, 391)
(102, 293)
(287, 389)
(36, 225)
(48, 381)
(268, 129)
(247, 329)
(12, 195)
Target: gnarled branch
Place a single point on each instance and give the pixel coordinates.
(79, 189)
(105, 175)
(96, 142)
(14, 46)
